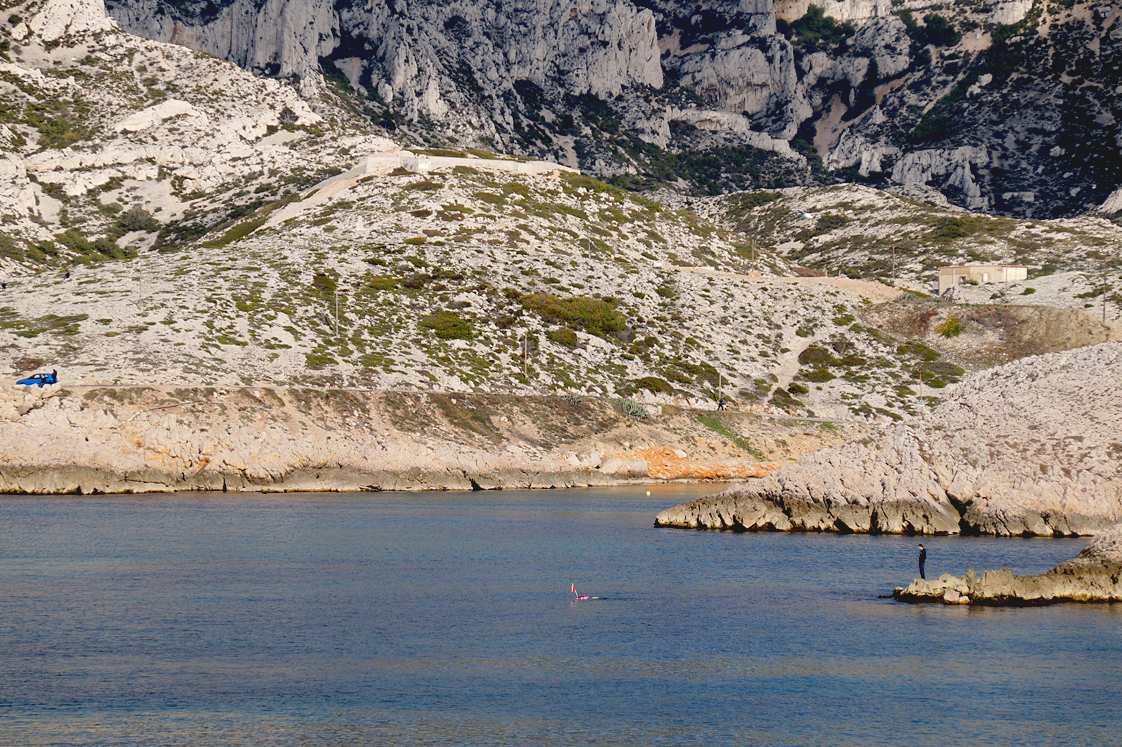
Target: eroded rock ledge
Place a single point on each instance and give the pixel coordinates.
(1094, 575)
(158, 439)
(1030, 448)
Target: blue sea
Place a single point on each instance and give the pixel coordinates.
(446, 619)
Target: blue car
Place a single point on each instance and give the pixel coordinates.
(40, 379)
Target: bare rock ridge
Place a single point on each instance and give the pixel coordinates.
(1029, 448)
(1094, 575)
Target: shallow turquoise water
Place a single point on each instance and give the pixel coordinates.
(445, 618)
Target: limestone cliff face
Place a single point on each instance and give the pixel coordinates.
(275, 36)
(1028, 448)
(1009, 106)
(420, 58)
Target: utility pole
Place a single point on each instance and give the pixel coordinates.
(525, 352)
(140, 290)
(1104, 293)
(894, 264)
(336, 311)
(1005, 271)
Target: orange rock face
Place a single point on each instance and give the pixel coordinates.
(663, 463)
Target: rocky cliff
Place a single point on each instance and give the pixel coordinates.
(1008, 106)
(1029, 448)
(1094, 575)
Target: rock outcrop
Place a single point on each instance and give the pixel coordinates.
(1029, 448)
(1094, 575)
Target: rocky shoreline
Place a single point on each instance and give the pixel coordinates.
(1029, 448)
(89, 439)
(1094, 575)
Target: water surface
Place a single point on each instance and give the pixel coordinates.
(445, 618)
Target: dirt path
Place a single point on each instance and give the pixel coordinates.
(875, 292)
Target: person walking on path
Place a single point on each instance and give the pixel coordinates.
(922, 560)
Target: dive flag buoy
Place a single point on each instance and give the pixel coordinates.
(573, 589)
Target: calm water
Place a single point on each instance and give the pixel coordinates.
(445, 618)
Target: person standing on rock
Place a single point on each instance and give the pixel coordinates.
(922, 560)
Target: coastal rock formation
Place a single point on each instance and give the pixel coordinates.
(1094, 575)
(1030, 448)
(65, 439)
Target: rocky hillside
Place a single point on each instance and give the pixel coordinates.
(111, 144)
(1009, 106)
(860, 231)
(182, 207)
(1029, 448)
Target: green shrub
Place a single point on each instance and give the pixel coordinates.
(952, 327)
(919, 350)
(749, 200)
(448, 325)
(425, 185)
(829, 222)
(237, 232)
(819, 376)
(815, 355)
(593, 315)
(782, 399)
(653, 384)
(76, 242)
(381, 283)
(949, 229)
(699, 373)
(562, 336)
(816, 31)
(137, 218)
(324, 283)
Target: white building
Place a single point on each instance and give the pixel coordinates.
(949, 277)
